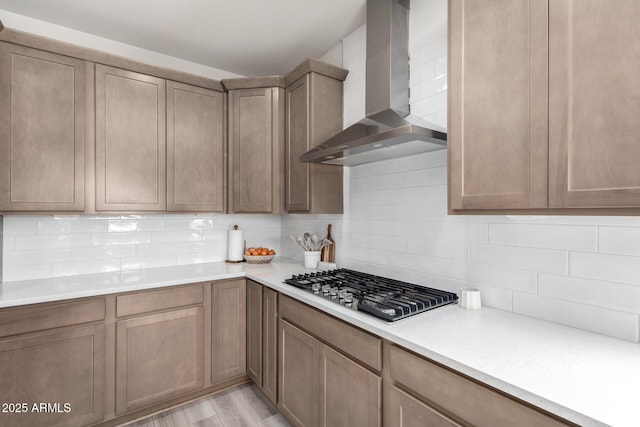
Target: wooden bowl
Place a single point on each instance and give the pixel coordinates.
(258, 259)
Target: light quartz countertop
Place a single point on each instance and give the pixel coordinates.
(583, 377)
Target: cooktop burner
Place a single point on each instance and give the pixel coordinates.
(385, 298)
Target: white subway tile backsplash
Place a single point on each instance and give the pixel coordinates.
(85, 267)
(450, 249)
(423, 264)
(130, 225)
(495, 276)
(595, 319)
(112, 239)
(20, 226)
(175, 236)
(468, 232)
(142, 262)
(202, 257)
(26, 272)
(545, 260)
(579, 238)
(38, 257)
(614, 268)
(24, 243)
(615, 296)
(619, 240)
(71, 226)
(103, 252)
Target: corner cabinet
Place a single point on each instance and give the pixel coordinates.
(544, 99)
(256, 142)
(42, 130)
(314, 105)
(130, 141)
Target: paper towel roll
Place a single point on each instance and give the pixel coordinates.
(235, 247)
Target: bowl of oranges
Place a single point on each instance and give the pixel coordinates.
(259, 255)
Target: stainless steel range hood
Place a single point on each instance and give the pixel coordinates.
(389, 130)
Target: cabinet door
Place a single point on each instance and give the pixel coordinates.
(251, 150)
(402, 410)
(297, 143)
(594, 103)
(229, 330)
(130, 141)
(65, 367)
(299, 390)
(498, 112)
(42, 130)
(254, 332)
(314, 113)
(270, 344)
(350, 394)
(195, 149)
(158, 357)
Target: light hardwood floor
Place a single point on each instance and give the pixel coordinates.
(242, 406)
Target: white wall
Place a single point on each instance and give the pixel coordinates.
(579, 271)
(51, 246)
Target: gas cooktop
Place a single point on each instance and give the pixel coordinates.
(385, 298)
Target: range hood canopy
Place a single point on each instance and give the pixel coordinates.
(389, 130)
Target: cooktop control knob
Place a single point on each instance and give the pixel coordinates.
(326, 289)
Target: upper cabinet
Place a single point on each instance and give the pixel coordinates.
(544, 100)
(314, 113)
(195, 149)
(256, 142)
(594, 103)
(497, 133)
(42, 130)
(130, 141)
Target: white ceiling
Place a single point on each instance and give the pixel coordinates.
(247, 37)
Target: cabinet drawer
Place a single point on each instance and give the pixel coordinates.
(356, 343)
(48, 316)
(462, 397)
(147, 301)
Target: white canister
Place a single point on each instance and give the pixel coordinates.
(235, 247)
(311, 259)
(470, 299)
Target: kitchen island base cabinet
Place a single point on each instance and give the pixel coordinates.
(228, 330)
(158, 356)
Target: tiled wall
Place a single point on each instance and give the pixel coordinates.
(579, 271)
(47, 246)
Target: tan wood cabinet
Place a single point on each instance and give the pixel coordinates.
(256, 121)
(314, 113)
(254, 332)
(159, 345)
(405, 411)
(53, 354)
(195, 149)
(498, 91)
(228, 330)
(262, 338)
(130, 141)
(42, 130)
(543, 105)
(320, 386)
(594, 103)
(456, 397)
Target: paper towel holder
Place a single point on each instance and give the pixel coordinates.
(235, 228)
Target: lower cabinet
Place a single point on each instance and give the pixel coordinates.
(158, 356)
(52, 364)
(320, 386)
(403, 410)
(262, 338)
(228, 330)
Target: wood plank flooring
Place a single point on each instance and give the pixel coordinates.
(242, 406)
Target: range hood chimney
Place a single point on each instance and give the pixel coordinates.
(389, 130)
